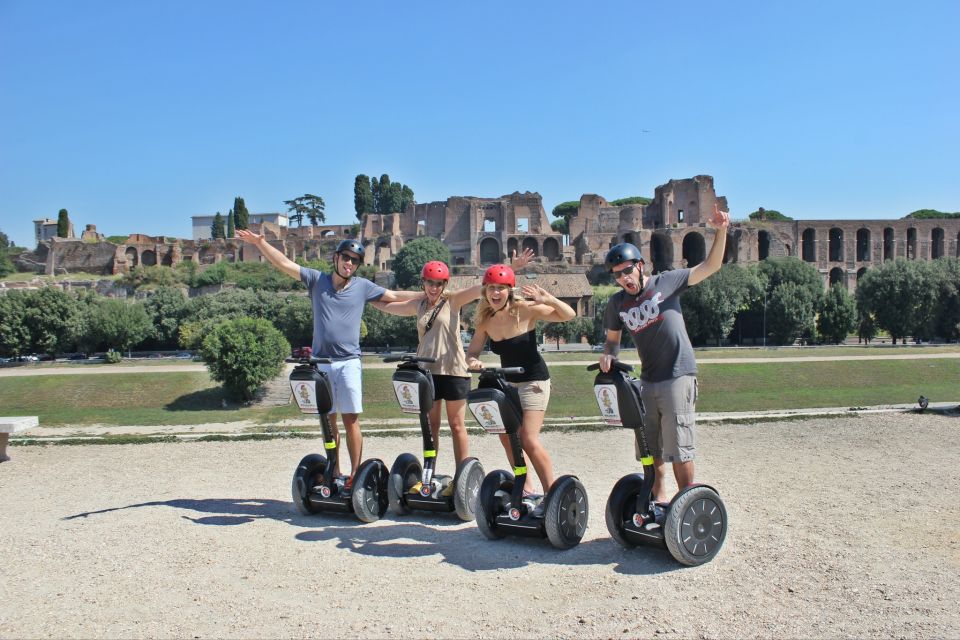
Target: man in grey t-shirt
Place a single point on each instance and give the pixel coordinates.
(649, 308)
(338, 299)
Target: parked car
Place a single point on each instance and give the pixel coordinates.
(79, 356)
(184, 355)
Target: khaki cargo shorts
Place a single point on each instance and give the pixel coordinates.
(670, 418)
(534, 395)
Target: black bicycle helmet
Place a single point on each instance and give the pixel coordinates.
(350, 245)
(621, 253)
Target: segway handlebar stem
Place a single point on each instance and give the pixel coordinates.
(506, 371)
(409, 357)
(310, 360)
(616, 365)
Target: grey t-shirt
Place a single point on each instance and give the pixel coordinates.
(336, 314)
(655, 321)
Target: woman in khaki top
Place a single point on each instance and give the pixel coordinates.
(438, 326)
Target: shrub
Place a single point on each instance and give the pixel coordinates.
(112, 357)
(243, 353)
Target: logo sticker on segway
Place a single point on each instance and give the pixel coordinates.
(408, 395)
(488, 415)
(607, 401)
(305, 392)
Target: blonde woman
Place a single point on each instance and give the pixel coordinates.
(510, 325)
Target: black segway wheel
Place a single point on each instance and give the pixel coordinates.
(621, 506)
(405, 473)
(466, 488)
(304, 479)
(696, 525)
(370, 491)
(565, 515)
(490, 505)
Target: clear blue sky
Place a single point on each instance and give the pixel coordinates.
(136, 115)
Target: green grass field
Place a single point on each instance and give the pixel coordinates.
(192, 398)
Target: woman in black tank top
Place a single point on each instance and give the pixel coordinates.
(510, 322)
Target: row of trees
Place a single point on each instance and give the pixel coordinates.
(371, 195)
(7, 250)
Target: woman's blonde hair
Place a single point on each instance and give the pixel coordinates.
(485, 311)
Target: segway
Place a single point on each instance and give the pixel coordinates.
(501, 507)
(414, 388)
(694, 525)
(317, 486)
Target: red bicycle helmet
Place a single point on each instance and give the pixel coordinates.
(500, 274)
(435, 270)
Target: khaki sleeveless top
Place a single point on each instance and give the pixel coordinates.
(442, 342)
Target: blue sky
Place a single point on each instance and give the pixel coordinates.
(135, 116)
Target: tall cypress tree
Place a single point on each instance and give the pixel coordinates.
(241, 217)
(384, 202)
(231, 228)
(375, 193)
(63, 224)
(216, 229)
(362, 195)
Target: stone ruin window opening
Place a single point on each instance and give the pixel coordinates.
(694, 249)
(836, 244)
(863, 245)
(911, 244)
(661, 253)
(888, 244)
(936, 243)
(679, 215)
(763, 245)
(531, 243)
(836, 277)
(489, 225)
(421, 227)
(731, 251)
(523, 225)
(860, 273)
(808, 245)
(489, 251)
(551, 249)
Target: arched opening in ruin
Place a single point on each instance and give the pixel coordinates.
(763, 245)
(207, 256)
(167, 259)
(661, 252)
(489, 251)
(863, 245)
(860, 272)
(836, 277)
(629, 237)
(694, 248)
(512, 246)
(936, 243)
(551, 249)
(836, 245)
(808, 243)
(148, 258)
(131, 255)
(911, 244)
(329, 233)
(531, 243)
(888, 244)
(731, 251)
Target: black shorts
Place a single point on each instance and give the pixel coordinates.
(450, 387)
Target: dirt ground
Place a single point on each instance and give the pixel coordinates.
(838, 528)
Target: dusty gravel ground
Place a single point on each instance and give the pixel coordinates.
(838, 528)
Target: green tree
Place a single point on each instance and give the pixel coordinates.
(307, 205)
(619, 202)
(838, 315)
(898, 296)
(63, 224)
(121, 325)
(564, 211)
(791, 313)
(710, 308)
(241, 217)
(409, 261)
(166, 309)
(216, 228)
(243, 353)
(946, 280)
(768, 214)
(14, 332)
(362, 196)
(375, 192)
(231, 225)
(7, 250)
(386, 330)
(931, 214)
(295, 320)
(776, 271)
(55, 319)
(384, 201)
(406, 197)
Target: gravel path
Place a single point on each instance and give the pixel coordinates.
(833, 534)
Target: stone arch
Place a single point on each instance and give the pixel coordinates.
(207, 255)
(860, 272)
(167, 259)
(132, 258)
(837, 277)
(863, 244)
(512, 245)
(694, 248)
(329, 233)
(936, 243)
(489, 251)
(836, 244)
(661, 252)
(551, 249)
(911, 243)
(889, 246)
(630, 238)
(531, 243)
(731, 252)
(809, 245)
(148, 257)
(763, 245)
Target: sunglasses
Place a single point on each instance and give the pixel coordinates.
(624, 272)
(348, 259)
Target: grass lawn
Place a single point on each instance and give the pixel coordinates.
(192, 398)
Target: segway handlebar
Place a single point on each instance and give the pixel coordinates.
(616, 365)
(310, 360)
(409, 357)
(507, 371)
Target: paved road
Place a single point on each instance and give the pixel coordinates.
(68, 370)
